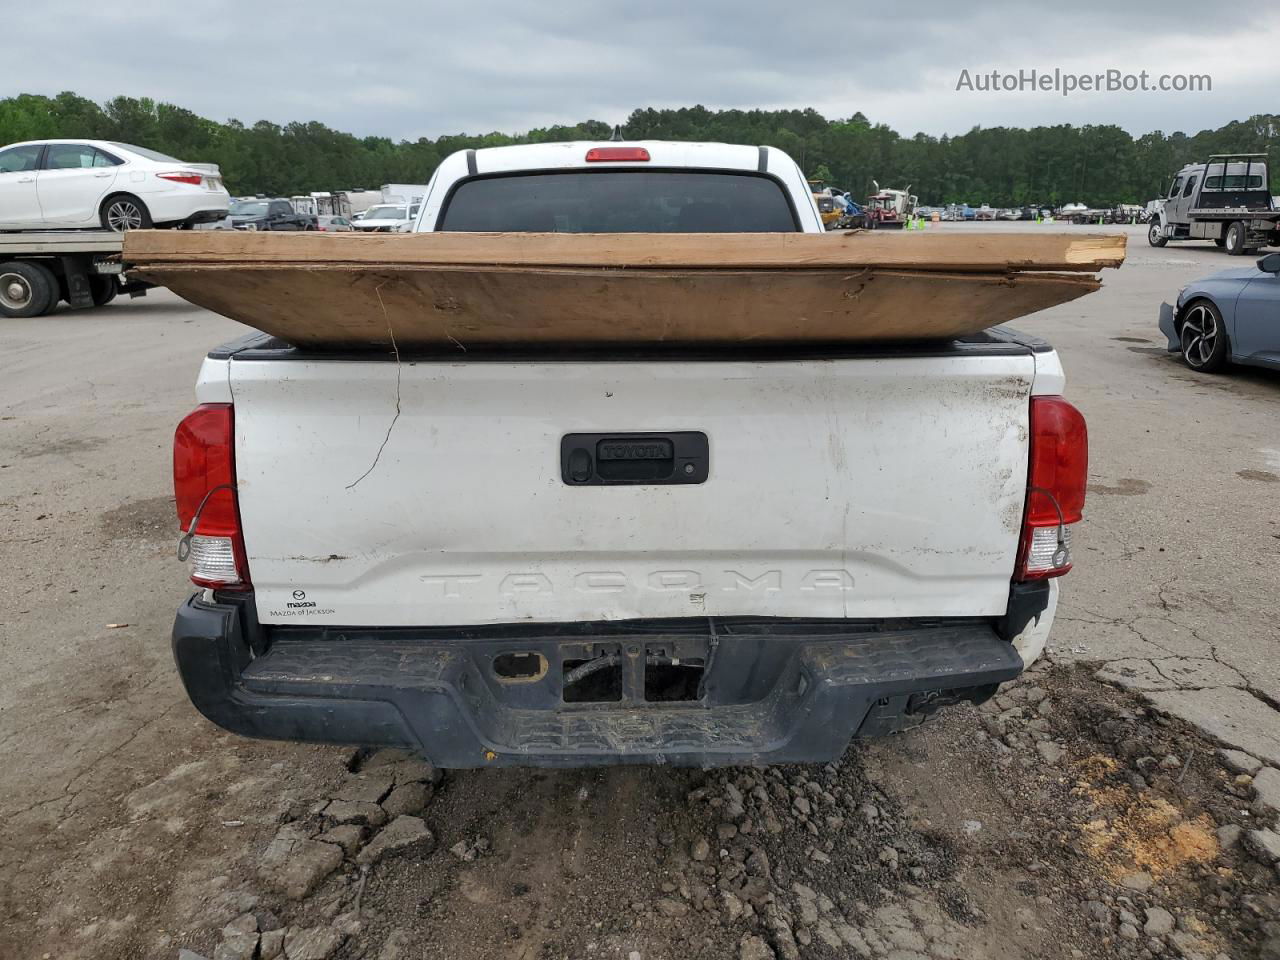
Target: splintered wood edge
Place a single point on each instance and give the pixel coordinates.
(1099, 250)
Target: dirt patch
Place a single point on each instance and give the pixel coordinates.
(61, 448)
(1127, 487)
(154, 520)
(1266, 476)
(1149, 833)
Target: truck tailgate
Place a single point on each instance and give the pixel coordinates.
(431, 493)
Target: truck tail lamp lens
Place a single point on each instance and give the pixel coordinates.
(617, 155)
(1056, 483)
(213, 561)
(182, 176)
(204, 478)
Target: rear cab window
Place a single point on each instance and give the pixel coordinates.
(1234, 182)
(620, 201)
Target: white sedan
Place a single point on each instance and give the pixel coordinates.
(388, 218)
(98, 183)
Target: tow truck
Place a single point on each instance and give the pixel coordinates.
(40, 269)
(1226, 199)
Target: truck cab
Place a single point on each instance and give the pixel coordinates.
(1178, 200)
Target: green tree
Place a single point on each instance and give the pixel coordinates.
(1003, 166)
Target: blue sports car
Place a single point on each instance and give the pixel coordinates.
(1230, 316)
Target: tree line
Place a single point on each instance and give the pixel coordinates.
(1099, 165)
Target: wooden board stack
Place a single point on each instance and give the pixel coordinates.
(345, 291)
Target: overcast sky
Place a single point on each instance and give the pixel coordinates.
(406, 69)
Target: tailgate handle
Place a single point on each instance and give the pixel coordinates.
(606, 459)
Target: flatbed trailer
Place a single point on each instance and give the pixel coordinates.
(1226, 199)
(40, 269)
(1104, 215)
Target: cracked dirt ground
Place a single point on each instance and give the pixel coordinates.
(1176, 581)
(130, 827)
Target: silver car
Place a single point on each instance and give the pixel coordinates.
(1231, 316)
(334, 224)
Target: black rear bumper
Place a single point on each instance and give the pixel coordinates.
(770, 691)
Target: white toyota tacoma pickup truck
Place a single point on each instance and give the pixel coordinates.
(602, 556)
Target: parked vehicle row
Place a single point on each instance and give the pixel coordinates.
(263, 213)
(352, 205)
(962, 212)
(97, 183)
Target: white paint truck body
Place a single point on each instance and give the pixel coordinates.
(421, 565)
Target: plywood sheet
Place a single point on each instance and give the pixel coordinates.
(334, 306)
(345, 291)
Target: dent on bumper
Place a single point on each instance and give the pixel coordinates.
(800, 691)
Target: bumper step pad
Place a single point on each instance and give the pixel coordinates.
(443, 698)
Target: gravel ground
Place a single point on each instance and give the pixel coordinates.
(1073, 816)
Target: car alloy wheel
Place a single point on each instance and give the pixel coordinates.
(123, 215)
(1200, 333)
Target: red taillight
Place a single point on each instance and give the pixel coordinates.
(1056, 480)
(617, 155)
(204, 477)
(194, 179)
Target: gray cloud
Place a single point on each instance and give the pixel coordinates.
(405, 69)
